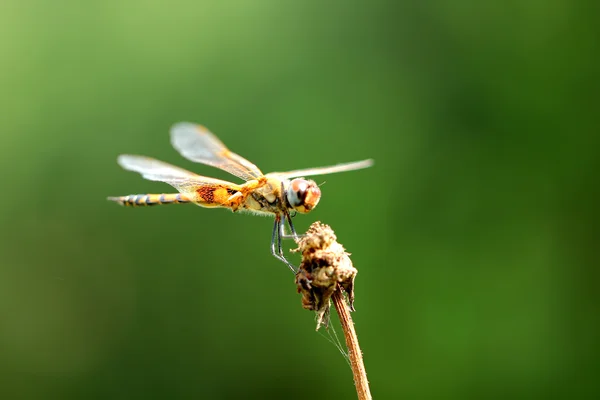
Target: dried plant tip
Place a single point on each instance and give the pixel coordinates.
(325, 267)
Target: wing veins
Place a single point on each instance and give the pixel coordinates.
(198, 144)
(351, 166)
(183, 180)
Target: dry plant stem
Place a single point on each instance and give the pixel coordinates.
(326, 272)
(356, 360)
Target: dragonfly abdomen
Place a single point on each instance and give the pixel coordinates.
(140, 200)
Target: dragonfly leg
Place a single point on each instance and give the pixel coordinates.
(293, 234)
(276, 242)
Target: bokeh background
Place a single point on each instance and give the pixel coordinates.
(475, 233)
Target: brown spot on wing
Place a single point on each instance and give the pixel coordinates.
(206, 193)
(217, 196)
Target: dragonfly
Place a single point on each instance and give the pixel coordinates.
(277, 194)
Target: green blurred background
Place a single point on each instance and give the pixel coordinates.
(475, 233)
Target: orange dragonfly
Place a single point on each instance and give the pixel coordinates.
(280, 194)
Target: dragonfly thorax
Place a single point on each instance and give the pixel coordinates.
(303, 195)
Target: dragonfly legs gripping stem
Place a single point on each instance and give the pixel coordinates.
(278, 236)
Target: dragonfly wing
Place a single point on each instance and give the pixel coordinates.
(198, 144)
(323, 170)
(154, 170)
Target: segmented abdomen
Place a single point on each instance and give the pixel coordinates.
(140, 200)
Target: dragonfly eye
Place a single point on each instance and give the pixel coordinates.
(303, 195)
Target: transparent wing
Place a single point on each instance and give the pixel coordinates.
(154, 170)
(198, 144)
(323, 170)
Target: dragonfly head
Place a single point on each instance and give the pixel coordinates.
(303, 195)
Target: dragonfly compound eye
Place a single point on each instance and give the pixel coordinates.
(303, 195)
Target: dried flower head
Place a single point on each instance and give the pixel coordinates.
(325, 268)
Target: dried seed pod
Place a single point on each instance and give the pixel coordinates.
(325, 268)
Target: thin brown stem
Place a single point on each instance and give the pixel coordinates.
(326, 272)
(356, 360)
